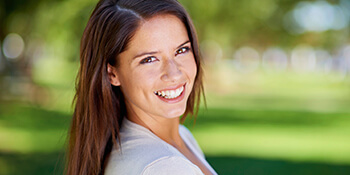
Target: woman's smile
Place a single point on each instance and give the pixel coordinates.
(171, 95)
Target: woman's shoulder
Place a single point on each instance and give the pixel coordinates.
(146, 156)
(171, 165)
(133, 158)
(138, 149)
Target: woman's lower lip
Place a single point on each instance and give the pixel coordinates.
(174, 100)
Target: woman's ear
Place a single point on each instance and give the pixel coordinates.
(112, 75)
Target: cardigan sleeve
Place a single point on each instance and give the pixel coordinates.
(173, 165)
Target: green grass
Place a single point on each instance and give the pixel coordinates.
(36, 163)
(234, 165)
(286, 135)
(27, 129)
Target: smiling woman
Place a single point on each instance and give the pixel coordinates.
(140, 76)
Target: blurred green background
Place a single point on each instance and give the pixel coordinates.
(277, 78)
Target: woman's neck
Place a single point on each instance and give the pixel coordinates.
(166, 129)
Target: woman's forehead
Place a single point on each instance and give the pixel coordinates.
(159, 32)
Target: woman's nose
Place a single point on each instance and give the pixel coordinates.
(172, 71)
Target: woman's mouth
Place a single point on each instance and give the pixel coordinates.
(170, 94)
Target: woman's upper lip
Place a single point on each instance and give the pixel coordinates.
(172, 87)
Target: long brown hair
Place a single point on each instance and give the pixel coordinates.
(99, 106)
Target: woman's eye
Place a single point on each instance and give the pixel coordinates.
(182, 50)
(148, 60)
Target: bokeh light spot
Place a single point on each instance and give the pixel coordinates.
(13, 45)
(246, 59)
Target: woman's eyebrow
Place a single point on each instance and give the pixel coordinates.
(145, 53)
(183, 44)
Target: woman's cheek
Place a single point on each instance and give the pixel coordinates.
(147, 75)
(191, 67)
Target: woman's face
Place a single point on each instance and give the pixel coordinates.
(156, 73)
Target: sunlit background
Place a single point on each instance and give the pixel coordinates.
(277, 79)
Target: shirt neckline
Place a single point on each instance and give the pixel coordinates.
(132, 125)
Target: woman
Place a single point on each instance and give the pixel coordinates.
(140, 71)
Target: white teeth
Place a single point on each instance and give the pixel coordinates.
(177, 91)
(169, 94)
(172, 93)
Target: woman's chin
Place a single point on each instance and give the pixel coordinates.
(174, 113)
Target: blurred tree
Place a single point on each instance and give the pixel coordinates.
(258, 23)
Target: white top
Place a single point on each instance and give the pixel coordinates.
(142, 152)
